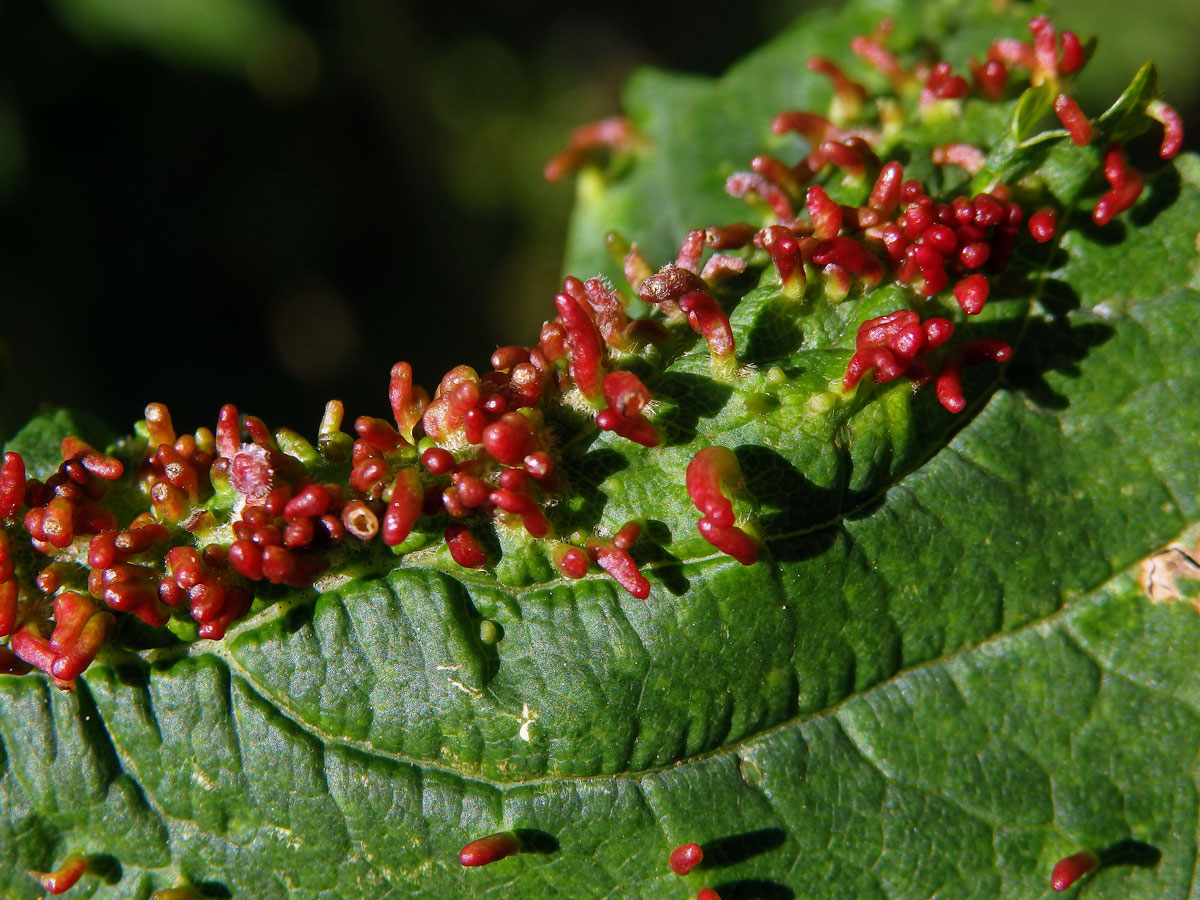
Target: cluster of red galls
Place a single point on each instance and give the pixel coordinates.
(490, 448)
(923, 243)
(485, 455)
(892, 345)
(900, 229)
(487, 451)
(56, 512)
(499, 468)
(121, 567)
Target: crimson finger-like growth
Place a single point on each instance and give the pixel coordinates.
(65, 877)
(712, 476)
(685, 857)
(490, 849)
(1070, 869)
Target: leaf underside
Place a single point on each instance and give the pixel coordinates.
(945, 674)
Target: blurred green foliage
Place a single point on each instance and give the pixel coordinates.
(270, 202)
(1165, 31)
(226, 34)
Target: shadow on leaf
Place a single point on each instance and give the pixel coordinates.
(1129, 852)
(133, 673)
(776, 333)
(137, 635)
(755, 889)
(469, 619)
(105, 867)
(1111, 235)
(534, 841)
(299, 616)
(652, 550)
(1162, 192)
(597, 465)
(1054, 344)
(738, 848)
(691, 397)
(789, 503)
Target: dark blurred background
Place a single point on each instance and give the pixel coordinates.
(271, 201)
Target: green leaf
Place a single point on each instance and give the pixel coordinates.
(1125, 119)
(217, 33)
(965, 653)
(1025, 147)
(39, 441)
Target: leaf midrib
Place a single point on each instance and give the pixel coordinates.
(731, 748)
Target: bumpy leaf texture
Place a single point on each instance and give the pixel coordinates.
(966, 651)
